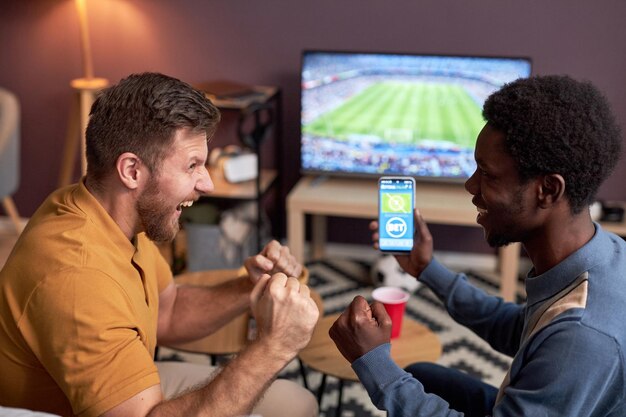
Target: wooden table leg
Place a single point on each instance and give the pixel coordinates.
(320, 390)
(508, 261)
(305, 381)
(318, 236)
(295, 233)
(340, 399)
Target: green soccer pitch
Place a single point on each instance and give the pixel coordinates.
(404, 112)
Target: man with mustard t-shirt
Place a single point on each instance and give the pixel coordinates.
(85, 296)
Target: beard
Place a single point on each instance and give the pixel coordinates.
(154, 215)
(498, 240)
(508, 229)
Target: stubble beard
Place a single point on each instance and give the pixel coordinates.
(508, 233)
(154, 216)
(498, 241)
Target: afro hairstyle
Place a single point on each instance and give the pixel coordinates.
(557, 125)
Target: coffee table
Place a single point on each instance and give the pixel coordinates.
(415, 344)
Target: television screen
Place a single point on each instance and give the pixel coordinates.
(370, 114)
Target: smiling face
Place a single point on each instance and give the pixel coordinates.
(506, 206)
(181, 179)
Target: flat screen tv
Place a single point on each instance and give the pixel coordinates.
(373, 114)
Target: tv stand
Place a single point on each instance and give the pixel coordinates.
(346, 197)
(319, 180)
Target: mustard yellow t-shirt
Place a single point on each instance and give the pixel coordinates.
(78, 310)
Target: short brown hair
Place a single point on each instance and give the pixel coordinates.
(140, 115)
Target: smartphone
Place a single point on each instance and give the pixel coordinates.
(396, 201)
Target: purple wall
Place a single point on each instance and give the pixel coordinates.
(260, 42)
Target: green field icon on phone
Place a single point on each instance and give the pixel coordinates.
(396, 202)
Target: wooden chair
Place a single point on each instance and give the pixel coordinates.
(234, 335)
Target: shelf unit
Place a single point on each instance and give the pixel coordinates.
(267, 178)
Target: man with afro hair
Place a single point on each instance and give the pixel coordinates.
(548, 144)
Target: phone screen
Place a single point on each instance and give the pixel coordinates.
(396, 200)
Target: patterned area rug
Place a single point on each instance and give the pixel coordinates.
(338, 281)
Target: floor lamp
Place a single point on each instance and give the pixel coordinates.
(85, 89)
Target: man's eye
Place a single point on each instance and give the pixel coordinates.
(193, 166)
(484, 173)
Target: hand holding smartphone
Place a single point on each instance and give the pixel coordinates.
(396, 201)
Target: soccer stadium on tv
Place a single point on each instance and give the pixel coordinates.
(375, 114)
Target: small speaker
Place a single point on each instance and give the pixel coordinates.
(612, 213)
(240, 168)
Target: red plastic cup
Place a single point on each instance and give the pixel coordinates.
(394, 299)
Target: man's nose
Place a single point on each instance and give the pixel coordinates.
(205, 183)
(471, 184)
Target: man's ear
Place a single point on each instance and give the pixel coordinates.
(130, 170)
(551, 190)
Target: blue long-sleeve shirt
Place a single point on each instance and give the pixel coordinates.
(568, 340)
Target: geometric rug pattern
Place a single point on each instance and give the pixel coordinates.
(338, 281)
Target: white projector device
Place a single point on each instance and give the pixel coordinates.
(240, 168)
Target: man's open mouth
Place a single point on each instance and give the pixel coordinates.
(188, 203)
